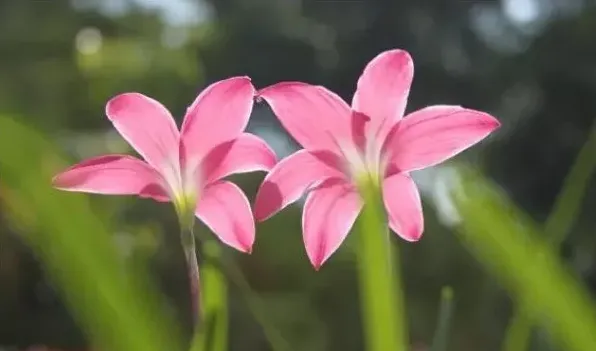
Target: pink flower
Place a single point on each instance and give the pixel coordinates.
(344, 146)
(185, 167)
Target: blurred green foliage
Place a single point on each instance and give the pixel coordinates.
(113, 301)
(536, 77)
(507, 243)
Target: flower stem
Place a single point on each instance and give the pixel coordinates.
(188, 245)
(381, 294)
(213, 336)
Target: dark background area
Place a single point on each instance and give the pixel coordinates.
(530, 63)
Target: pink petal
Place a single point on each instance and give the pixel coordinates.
(224, 208)
(329, 213)
(314, 116)
(403, 205)
(219, 114)
(360, 123)
(246, 153)
(147, 126)
(113, 175)
(434, 134)
(383, 89)
(291, 177)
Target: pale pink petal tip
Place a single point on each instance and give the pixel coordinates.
(413, 235)
(396, 59)
(119, 102)
(492, 121)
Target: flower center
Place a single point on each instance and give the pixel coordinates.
(365, 162)
(181, 183)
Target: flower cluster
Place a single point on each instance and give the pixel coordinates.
(344, 146)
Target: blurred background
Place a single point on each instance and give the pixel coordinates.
(530, 63)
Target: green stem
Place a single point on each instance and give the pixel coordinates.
(381, 295)
(441, 338)
(192, 266)
(227, 270)
(557, 226)
(215, 272)
(213, 335)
